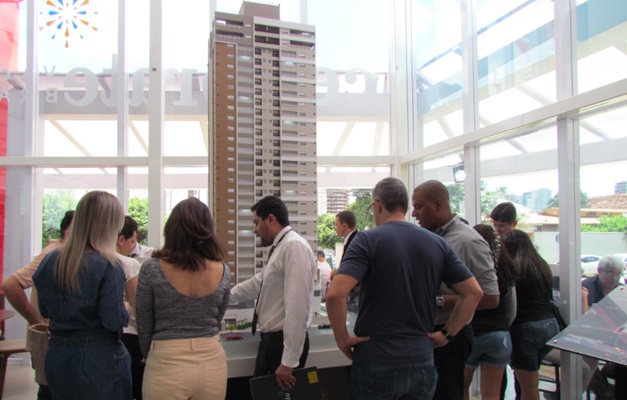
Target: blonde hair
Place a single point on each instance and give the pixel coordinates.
(98, 219)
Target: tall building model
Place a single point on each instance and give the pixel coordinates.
(263, 122)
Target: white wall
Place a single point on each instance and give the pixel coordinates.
(598, 243)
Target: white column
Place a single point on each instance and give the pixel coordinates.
(122, 104)
(156, 116)
(470, 110)
(569, 192)
(402, 96)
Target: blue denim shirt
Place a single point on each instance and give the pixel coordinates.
(97, 306)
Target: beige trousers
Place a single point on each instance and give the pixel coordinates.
(192, 369)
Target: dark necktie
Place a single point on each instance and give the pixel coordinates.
(255, 315)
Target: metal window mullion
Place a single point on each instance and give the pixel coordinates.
(33, 131)
(470, 111)
(122, 105)
(156, 117)
(569, 183)
(402, 104)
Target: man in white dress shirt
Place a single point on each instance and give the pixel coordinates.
(284, 293)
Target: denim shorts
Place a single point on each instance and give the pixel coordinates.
(529, 343)
(494, 348)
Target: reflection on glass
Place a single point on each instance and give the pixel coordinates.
(604, 184)
(601, 30)
(515, 45)
(437, 55)
(522, 171)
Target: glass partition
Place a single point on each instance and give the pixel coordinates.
(437, 54)
(516, 66)
(603, 187)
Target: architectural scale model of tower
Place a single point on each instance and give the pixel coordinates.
(262, 117)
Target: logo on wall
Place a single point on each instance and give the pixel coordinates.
(69, 19)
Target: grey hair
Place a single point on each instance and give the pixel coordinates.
(611, 262)
(392, 194)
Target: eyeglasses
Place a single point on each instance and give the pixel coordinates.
(501, 225)
(369, 209)
(612, 273)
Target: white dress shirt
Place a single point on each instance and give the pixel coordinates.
(286, 294)
(141, 253)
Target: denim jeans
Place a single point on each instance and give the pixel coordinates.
(370, 381)
(494, 348)
(88, 365)
(529, 343)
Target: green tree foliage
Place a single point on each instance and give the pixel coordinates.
(489, 199)
(138, 210)
(608, 223)
(55, 204)
(327, 238)
(363, 200)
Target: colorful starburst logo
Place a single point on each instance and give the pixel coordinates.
(67, 18)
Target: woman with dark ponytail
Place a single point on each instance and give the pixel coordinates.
(492, 345)
(534, 324)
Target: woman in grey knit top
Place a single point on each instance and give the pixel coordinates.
(182, 295)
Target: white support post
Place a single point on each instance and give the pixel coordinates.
(472, 181)
(569, 189)
(402, 98)
(156, 116)
(121, 90)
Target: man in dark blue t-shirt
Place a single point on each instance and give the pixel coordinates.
(399, 267)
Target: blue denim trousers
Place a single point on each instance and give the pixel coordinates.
(529, 343)
(92, 365)
(370, 381)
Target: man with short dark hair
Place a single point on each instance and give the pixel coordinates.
(433, 212)
(400, 268)
(127, 238)
(14, 288)
(503, 218)
(284, 293)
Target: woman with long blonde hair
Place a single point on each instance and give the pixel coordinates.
(80, 289)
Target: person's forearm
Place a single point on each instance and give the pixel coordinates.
(462, 313)
(17, 297)
(336, 311)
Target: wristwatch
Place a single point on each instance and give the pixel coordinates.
(447, 335)
(439, 301)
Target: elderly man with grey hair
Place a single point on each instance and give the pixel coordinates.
(610, 270)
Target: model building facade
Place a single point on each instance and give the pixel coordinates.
(263, 127)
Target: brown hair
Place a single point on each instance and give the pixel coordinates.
(189, 237)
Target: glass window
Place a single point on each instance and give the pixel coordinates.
(437, 56)
(600, 43)
(603, 186)
(522, 169)
(515, 45)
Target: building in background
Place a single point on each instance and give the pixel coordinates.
(337, 200)
(263, 127)
(537, 199)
